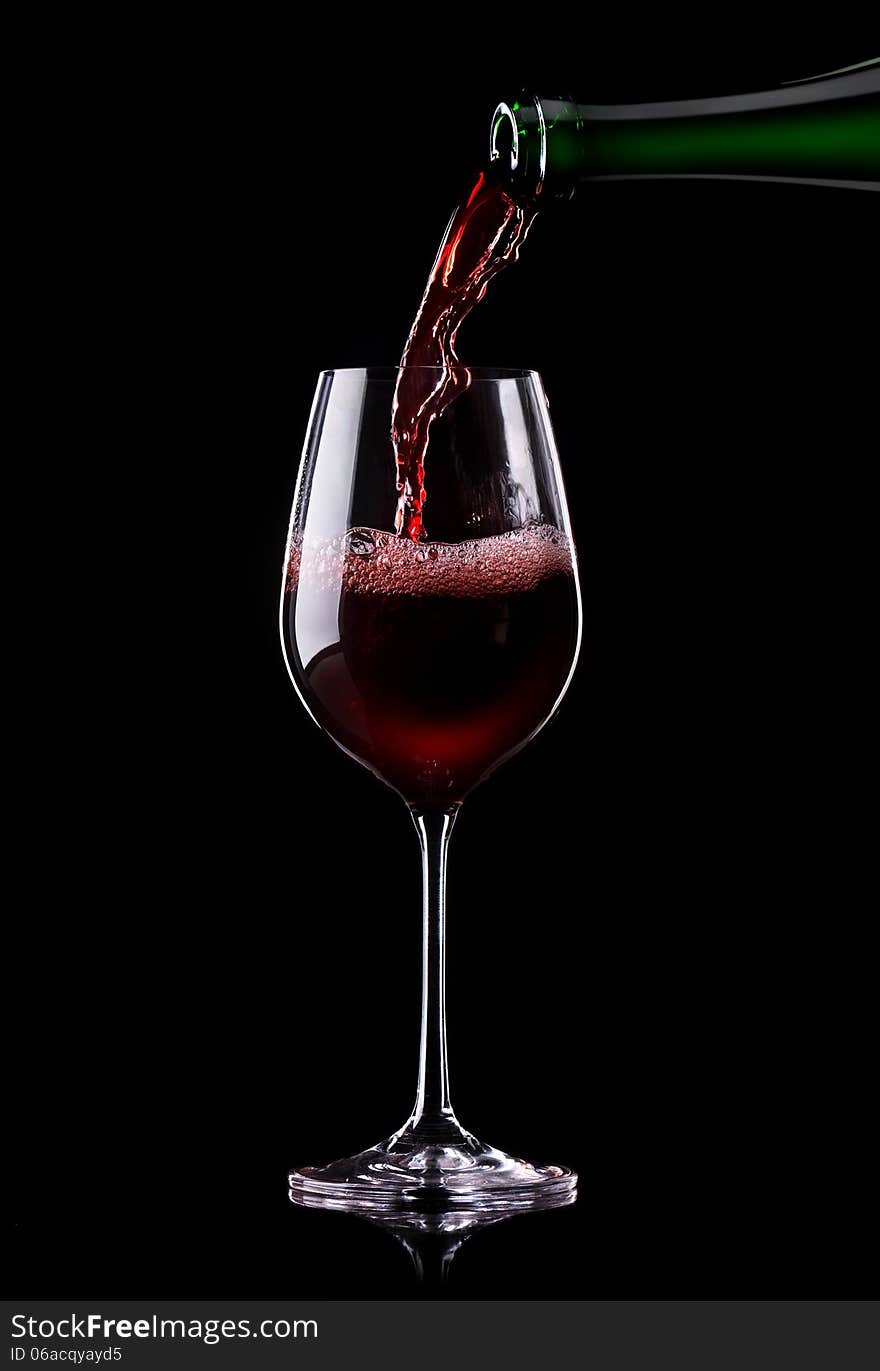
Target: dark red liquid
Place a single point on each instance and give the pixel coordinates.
(484, 234)
(432, 663)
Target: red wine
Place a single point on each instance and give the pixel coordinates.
(431, 663)
(483, 235)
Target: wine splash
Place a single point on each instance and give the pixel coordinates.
(483, 235)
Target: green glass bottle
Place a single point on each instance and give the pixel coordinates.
(824, 130)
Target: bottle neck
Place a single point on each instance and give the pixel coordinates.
(824, 129)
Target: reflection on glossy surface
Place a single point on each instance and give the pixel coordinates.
(433, 1239)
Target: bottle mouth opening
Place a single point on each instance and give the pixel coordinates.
(503, 145)
(518, 141)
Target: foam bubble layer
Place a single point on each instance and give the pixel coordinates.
(366, 561)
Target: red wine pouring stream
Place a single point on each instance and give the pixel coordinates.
(484, 234)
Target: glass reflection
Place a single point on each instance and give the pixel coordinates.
(433, 1239)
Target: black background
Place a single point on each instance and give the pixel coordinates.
(658, 943)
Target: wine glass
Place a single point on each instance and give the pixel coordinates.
(431, 663)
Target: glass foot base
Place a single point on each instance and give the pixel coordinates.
(407, 1175)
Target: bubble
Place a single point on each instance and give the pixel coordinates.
(370, 561)
(360, 542)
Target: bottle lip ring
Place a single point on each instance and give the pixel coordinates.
(542, 131)
(502, 112)
(506, 114)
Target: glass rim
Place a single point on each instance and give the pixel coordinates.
(477, 373)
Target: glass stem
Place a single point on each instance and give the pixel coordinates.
(432, 1117)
